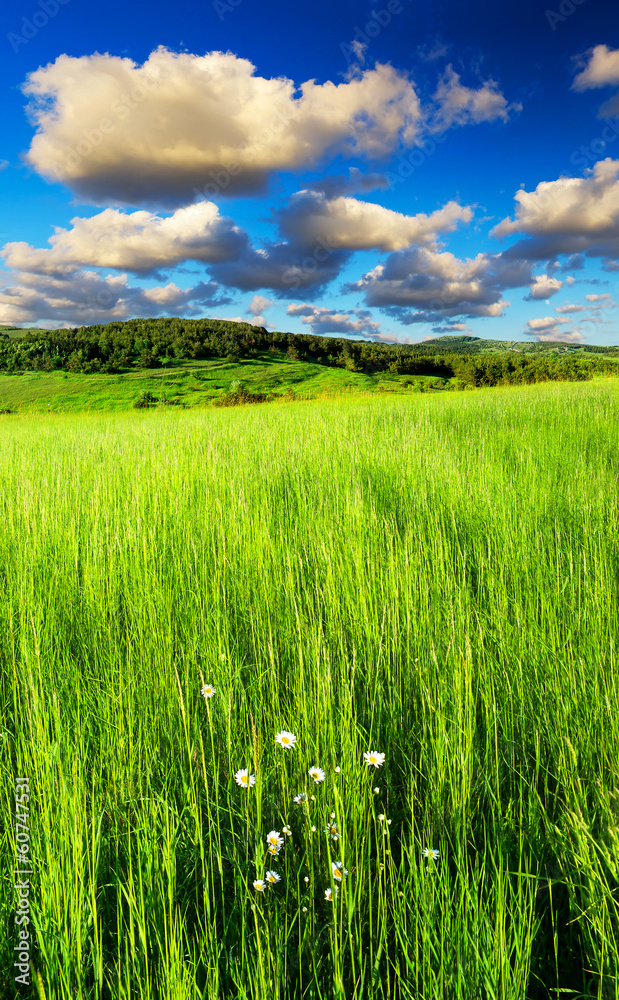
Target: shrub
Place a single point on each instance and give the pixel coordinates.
(146, 399)
(240, 397)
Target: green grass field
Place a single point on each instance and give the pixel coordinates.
(432, 577)
(190, 384)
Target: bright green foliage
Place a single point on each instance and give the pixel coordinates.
(430, 577)
(159, 343)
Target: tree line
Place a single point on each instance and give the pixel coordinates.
(158, 343)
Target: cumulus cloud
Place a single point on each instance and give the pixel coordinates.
(564, 336)
(258, 305)
(140, 242)
(575, 262)
(424, 286)
(322, 320)
(157, 133)
(548, 328)
(348, 224)
(81, 297)
(571, 215)
(570, 307)
(543, 287)
(460, 105)
(286, 268)
(545, 323)
(602, 69)
(319, 236)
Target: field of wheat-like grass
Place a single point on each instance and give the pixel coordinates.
(429, 578)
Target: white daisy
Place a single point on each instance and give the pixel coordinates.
(273, 877)
(305, 909)
(275, 850)
(338, 870)
(301, 797)
(285, 739)
(244, 778)
(332, 831)
(374, 757)
(259, 885)
(274, 839)
(317, 774)
(430, 852)
(208, 691)
(329, 894)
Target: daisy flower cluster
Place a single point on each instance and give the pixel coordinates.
(275, 839)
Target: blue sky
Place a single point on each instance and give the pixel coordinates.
(395, 170)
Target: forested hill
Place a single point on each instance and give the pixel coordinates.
(159, 343)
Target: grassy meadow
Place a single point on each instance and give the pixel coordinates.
(432, 577)
(193, 384)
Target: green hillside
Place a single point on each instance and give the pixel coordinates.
(190, 363)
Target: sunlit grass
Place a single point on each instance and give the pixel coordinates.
(429, 578)
(191, 383)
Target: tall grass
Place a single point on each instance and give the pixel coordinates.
(434, 578)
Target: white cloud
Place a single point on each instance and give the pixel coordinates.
(348, 224)
(460, 105)
(564, 336)
(543, 287)
(321, 233)
(549, 328)
(113, 130)
(440, 285)
(322, 320)
(545, 323)
(598, 298)
(568, 215)
(449, 328)
(570, 307)
(138, 242)
(602, 69)
(258, 305)
(80, 298)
